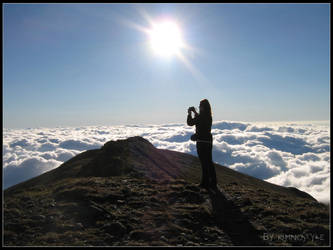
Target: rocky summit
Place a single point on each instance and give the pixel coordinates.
(129, 193)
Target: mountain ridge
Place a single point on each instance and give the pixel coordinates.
(133, 142)
(255, 203)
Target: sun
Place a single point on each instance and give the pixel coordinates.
(165, 38)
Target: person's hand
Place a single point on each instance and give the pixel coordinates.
(192, 109)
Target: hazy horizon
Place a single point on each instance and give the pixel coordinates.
(173, 122)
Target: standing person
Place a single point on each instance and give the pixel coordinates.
(204, 139)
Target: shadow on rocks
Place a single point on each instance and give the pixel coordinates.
(233, 222)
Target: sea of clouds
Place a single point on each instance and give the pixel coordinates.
(288, 154)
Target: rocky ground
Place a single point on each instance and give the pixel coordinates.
(131, 211)
(130, 208)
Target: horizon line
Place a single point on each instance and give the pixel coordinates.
(160, 124)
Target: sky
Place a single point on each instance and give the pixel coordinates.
(90, 64)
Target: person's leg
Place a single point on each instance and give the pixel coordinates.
(211, 167)
(202, 157)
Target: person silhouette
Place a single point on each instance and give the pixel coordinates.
(204, 142)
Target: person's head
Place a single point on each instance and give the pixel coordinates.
(205, 107)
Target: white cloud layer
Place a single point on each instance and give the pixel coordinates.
(289, 154)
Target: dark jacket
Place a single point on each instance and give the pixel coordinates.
(203, 126)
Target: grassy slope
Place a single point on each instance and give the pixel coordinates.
(80, 204)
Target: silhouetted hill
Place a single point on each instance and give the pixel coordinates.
(131, 193)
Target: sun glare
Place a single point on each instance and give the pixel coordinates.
(165, 38)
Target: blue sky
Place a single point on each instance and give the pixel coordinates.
(83, 64)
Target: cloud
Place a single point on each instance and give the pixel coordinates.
(276, 159)
(78, 145)
(46, 146)
(27, 169)
(288, 154)
(285, 143)
(229, 125)
(260, 170)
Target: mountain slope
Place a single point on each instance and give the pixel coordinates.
(131, 193)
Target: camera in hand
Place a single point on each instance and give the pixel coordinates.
(191, 109)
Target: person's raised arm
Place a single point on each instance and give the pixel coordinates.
(191, 121)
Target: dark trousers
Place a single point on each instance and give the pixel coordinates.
(208, 169)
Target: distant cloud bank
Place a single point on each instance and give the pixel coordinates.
(288, 154)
